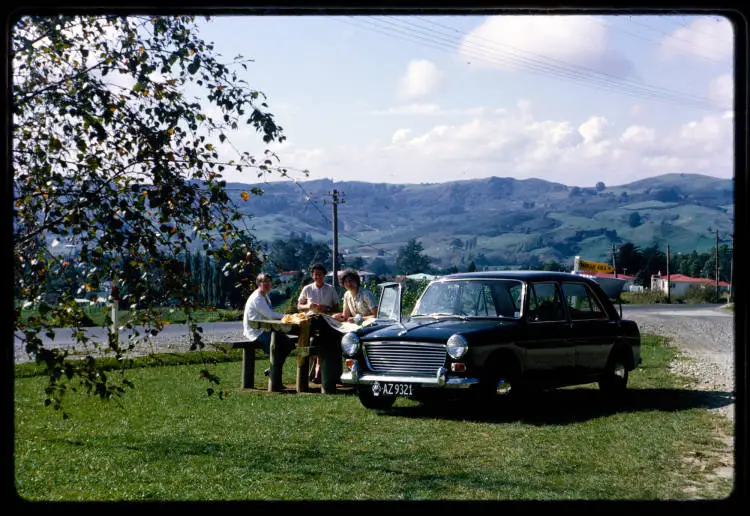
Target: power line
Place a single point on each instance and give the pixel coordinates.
(671, 38)
(534, 66)
(693, 29)
(567, 70)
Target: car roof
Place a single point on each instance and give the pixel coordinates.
(518, 275)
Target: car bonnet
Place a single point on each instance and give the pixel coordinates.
(426, 328)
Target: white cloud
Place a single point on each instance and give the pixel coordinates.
(421, 78)
(705, 38)
(593, 128)
(400, 135)
(518, 42)
(721, 89)
(638, 134)
(515, 144)
(706, 135)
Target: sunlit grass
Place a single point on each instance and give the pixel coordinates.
(167, 440)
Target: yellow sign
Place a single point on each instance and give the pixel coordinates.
(587, 266)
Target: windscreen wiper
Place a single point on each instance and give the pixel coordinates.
(440, 314)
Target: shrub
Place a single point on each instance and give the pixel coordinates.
(647, 297)
(411, 291)
(700, 294)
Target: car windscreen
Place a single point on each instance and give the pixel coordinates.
(472, 298)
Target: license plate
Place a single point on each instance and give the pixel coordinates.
(405, 390)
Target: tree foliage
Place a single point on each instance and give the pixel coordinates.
(379, 267)
(411, 260)
(643, 263)
(634, 220)
(112, 154)
(298, 254)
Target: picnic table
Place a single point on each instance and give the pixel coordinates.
(308, 344)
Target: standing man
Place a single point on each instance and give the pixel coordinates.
(258, 307)
(318, 298)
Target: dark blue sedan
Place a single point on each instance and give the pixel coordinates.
(492, 334)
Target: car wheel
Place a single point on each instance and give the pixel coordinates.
(370, 401)
(500, 383)
(615, 377)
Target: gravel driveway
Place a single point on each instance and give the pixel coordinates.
(706, 336)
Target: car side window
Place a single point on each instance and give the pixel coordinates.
(582, 303)
(515, 292)
(545, 303)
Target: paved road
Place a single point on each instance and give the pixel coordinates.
(174, 337)
(702, 328)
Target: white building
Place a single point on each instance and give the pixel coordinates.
(679, 284)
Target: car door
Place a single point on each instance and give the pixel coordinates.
(592, 332)
(550, 355)
(389, 304)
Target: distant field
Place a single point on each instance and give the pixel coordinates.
(649, 205)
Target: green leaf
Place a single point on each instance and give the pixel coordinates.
(195, 65)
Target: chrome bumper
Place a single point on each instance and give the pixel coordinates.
(354, 377)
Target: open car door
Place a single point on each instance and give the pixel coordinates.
(389, 305)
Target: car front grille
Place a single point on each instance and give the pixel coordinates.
(409, 358)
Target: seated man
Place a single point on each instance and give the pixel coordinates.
(258, 308)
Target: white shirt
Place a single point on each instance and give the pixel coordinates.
(362, 304)
(257, 307)
(325, 295)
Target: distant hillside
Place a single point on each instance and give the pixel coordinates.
(497, 220)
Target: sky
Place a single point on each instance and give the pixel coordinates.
(427, 99)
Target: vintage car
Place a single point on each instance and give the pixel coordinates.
(491, 335)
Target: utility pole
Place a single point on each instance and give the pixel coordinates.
(669, 299)
(717, 265)
(614, 263)
(336, 199)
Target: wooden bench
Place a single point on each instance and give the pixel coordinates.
(248, 361)
(329, 371)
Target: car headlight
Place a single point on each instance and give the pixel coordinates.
(457, 346)
(350, 344)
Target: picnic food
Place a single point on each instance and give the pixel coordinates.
(297, 318)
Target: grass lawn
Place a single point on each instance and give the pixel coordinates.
(168, 441)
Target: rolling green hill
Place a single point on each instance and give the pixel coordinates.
(497, 220)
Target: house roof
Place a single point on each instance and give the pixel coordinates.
(681, 278)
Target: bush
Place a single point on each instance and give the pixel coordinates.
(411, 291)
(700, 294)
(648, 297)
(229, 315)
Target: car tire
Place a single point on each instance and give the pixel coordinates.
(614, 381)
(500, 383)
(370, 401)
